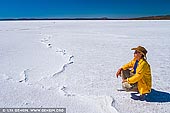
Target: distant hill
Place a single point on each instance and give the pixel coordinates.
(164, 17)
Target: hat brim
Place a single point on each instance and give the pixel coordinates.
(134, 49)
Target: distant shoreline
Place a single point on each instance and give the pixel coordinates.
(164, 17)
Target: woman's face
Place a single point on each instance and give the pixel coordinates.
(137, 55)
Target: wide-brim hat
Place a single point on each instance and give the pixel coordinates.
(141, 50)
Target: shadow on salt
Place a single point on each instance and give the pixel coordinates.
(155, 96)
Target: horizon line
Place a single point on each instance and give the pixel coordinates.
(84, 18)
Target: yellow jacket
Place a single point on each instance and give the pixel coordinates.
(142, 76)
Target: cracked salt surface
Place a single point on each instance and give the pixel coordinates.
(72, 64)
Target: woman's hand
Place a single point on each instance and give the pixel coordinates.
(118, 72)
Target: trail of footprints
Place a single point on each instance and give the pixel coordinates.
(24, 75)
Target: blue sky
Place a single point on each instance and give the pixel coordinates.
(82, 8)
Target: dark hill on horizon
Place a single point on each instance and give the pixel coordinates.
(164, 17)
